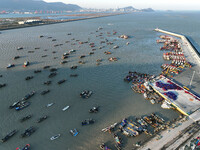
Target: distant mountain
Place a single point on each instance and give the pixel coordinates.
(32, 5)
(129, 8)
(147, 10)
(132, 9)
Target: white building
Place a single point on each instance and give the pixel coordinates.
(30, 21)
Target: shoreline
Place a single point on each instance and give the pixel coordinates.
(50, 21)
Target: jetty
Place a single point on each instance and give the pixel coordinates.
(185, 104)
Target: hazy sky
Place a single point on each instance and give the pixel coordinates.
(155, 4)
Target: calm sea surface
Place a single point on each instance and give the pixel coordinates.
(111, 93)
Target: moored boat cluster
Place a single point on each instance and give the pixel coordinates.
(148, 124)
(176, 56)
(140, 85)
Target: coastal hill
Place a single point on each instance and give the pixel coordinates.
(132, 9)
(32, 5)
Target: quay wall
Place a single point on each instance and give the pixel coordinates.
(194, 52)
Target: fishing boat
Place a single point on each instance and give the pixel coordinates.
(87, 122)
(145, 95)
(61, 81)
(118, 142)
(90, 53)
(20, 48)
(37, 71)
(151, 120)
(45, 92)
(98, 63)
(46, 67)
(86, 94)
(47, 82)
(107, 52)
(26, 97)
(10, 66)
(28, 132)
(16, 57)
(99, 60)
(94, 110)
(22, 105)
(166, 105)
(29, 78)
(26, 63)
(104, 147)
(42, 119)
(158, 118)
(2, 85)
(73, 132)
(53, 74)
(112, 59)
(44, 56)
(128, 128)
(81, 62)
(109, 128)
(152, 101)
(82, 56)
(147, 120)
(8, 136)
(25, 118)
(72, 51)
(63, 62)
(26, 147)
(73, 67)
(14, 104)
(53, 69)
(116, 46)
(55, 137)
(142, 122)
(73, 75)
(64, 56)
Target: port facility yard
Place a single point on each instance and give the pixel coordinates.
(186, 102)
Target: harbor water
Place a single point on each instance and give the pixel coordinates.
(110, 92)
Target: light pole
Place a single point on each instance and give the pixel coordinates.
(192, 78)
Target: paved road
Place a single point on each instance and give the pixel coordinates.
(167, 136)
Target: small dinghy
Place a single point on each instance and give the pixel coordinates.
(49, 105)
(55, 137)
(94, 109)
(65, 108)
(74, 132)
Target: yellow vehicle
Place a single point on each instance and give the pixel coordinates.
(186, 88)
